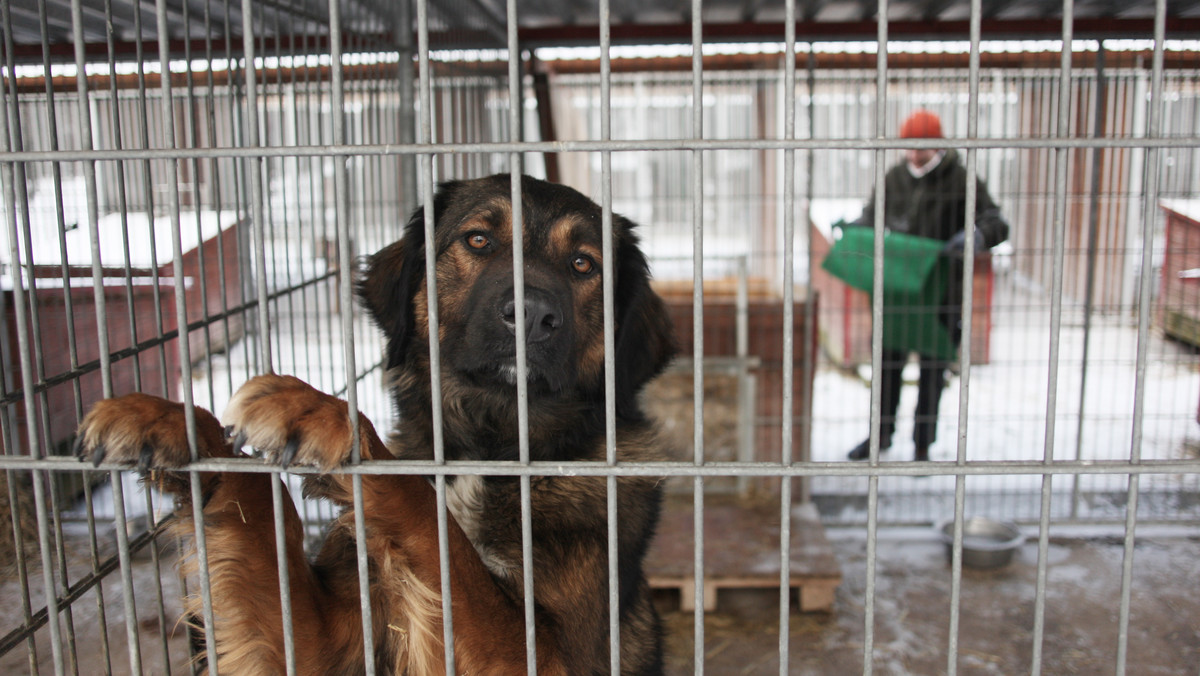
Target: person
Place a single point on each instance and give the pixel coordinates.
(926, 196)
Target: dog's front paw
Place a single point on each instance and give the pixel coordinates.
(146, 431)
(290, 422)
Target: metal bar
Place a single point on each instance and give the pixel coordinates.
(698, 330)
(810, 310)
(346, 299)
(876, 337)
(710, 468)
(315, 202)
(8, 205)
(610, 349)
(169, 141)
(39, 357)
(238, 85)
(148, 192)
(1098, 117)
(192, 134)
(1059, 245)
(1149, 204)
(255, 158)
(26, 632)
(967, 320)
(148, 499)
(285, 596)
(86, 142)
(425, 135)
(215, 190)
(746, 395)
(787, 409)
(278, 216)
(591, 146)
(407, 123)
(515, 106)
(28, 375)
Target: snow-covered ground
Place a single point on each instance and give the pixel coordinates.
(1006, 421)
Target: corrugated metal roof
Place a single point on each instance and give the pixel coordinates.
(482, 22)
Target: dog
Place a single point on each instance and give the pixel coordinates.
(289, 422)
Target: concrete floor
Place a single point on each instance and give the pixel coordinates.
(912, 613)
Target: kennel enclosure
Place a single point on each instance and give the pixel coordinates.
(213, 170)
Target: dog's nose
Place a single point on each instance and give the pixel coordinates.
(542, 316)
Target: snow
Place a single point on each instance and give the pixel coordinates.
(1006, 421)
(1184, 207)
(145, 251)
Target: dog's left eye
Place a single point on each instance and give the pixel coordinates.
(583, 265)
(478, 241)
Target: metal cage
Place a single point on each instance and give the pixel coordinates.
(186, 188)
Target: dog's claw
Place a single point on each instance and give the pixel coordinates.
(229, 430)
(77, 447)
(146, 457)
(289, 451)
(239, 441)
(98, 455)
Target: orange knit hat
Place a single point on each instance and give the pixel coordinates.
(921, 124)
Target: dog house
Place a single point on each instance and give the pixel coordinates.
(1177, 298)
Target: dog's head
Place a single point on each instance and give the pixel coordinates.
(564, 310)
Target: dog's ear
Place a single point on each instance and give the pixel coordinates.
(387, 283)
(645, 339)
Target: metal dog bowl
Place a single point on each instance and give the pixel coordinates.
(986, 543)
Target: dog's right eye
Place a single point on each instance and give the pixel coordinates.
(478, 241)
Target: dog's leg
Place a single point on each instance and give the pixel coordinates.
(292, 422)
(239, 530)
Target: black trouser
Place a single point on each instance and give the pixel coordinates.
(929, 394)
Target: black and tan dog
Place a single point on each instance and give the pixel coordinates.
(290, 422)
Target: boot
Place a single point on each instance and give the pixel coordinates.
(863, 450)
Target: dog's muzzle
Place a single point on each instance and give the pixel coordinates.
(543, 316)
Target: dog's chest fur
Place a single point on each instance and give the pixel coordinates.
(466, 500)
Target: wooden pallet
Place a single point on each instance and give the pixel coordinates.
(741, 550)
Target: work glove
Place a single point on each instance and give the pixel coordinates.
(956, 244)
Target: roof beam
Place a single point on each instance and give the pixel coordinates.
(750, 9)
(993, 8)
(810, 8)
(867, 9)
(495, 21)
(932, 9)
(992, 29)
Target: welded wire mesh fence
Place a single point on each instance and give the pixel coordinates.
(189, 215)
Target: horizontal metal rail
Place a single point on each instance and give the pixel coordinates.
(387, 149)
(642, 469)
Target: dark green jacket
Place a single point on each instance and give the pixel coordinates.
(934, 206)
